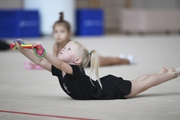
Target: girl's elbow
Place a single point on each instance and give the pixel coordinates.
(59, 63)
(39, 62)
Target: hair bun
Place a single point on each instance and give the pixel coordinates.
(61, 18)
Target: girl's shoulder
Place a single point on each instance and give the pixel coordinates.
(77, 71)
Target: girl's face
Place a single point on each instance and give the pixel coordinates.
(68, 53)
(60, 33)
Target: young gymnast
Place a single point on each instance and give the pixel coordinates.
(62, 34)
(69, 66)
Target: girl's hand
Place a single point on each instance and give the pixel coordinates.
(39, 48)
(18, 42)
(39, 51)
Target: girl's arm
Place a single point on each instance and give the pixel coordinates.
(46, 64)
(39, 61)
(58, 63)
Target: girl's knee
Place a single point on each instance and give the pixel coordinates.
(137, 87)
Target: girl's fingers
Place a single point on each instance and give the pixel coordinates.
(20, 41)
(35, 45)
(16, 43)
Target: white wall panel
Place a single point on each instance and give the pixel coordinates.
(49, 12)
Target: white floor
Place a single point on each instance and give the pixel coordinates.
(36, 94)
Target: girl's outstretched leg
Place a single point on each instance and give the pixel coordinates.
(145, 82)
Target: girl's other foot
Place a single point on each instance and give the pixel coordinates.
(173, 71)
(131, 59)
(163, 70)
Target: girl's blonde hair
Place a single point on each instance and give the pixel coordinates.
(63, 22)
(89, 57)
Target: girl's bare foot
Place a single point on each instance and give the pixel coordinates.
(163, 70)
(173, 71)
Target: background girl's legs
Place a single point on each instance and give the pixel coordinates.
(107, 61)
(145, 82)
